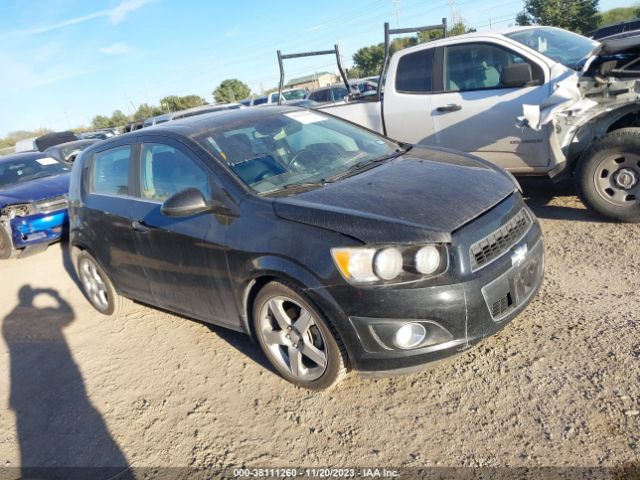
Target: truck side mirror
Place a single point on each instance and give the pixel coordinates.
(516, 75)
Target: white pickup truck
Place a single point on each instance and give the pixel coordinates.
(534, 100)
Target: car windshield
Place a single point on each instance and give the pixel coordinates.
(15, 172)
(297, 94)
(68, 153)
(300, 148)
(568, 48)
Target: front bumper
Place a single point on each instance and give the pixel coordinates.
(456, 314)
(38, 229)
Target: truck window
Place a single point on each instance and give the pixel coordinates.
(477, 66)
(321, 95)
(414, 72)
(339, 93)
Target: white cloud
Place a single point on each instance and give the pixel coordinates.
(119, 48)
(118, 13)
(230, 33)
(24, 77)
(115, 15)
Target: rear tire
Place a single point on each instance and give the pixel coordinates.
(97, 287)
(608, 175)
(297, 339)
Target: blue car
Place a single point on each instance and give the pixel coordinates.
(33, 202)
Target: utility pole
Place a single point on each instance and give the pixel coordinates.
(455, 16)
(396, 4)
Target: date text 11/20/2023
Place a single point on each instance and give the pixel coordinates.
(315, 473)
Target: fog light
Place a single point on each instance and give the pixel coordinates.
(409, 335)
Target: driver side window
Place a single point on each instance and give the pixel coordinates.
(477, 66)
(167, 170)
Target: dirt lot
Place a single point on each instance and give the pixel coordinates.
(560, 386)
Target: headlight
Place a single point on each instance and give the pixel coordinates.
(427, 260)
(389, 263)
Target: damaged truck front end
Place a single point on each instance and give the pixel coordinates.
(595, 134)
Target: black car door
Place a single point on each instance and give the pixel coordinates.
(186, 273)
(109, 201)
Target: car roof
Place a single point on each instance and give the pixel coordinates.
(493, 34)
(198, 124)
(22, 156)
(84, 141)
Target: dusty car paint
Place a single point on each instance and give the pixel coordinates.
(210, 266)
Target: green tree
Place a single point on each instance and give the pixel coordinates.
(575, 15)
(118, 119)
(354, 72)
(457, 28)
(368, 60)
(174, 103)
(101, 121)
(145, 111)
(616, 15)
(231, 90)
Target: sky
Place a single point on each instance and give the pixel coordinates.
(64, 61)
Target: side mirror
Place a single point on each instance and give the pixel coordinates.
(185, 203)
(516, 75)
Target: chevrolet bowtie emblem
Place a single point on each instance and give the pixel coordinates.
(519, 254)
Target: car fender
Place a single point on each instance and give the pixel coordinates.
(271, 267)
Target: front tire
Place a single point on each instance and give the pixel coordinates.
(608, 175)
(296, 338)
(97, 287)
(6, 245)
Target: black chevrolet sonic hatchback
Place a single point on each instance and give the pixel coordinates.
(334, 247)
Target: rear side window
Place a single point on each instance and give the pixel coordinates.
(415, 72)
(167, 170)
(110, 173)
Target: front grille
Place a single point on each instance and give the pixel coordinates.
(502, 306)
(52, 204)
(499, 242)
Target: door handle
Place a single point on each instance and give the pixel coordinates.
(140, 226)
(452, 107)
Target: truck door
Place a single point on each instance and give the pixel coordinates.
(407, 97)
(475, 113)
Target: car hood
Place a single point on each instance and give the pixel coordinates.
(424, 195)
(39, 189)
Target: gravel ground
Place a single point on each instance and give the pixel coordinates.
(559, 386)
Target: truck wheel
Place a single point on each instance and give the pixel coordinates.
(296, 339)
(98, 288)
(608, 176)
(5, 244)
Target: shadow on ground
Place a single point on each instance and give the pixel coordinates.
(538, 194)
(244, 344)
(56, 424)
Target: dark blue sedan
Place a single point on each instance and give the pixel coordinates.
(33, 202)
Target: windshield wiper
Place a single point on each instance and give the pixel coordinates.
(295, 187)
(366, 165)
